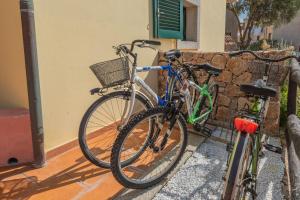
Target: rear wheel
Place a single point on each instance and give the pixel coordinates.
(155, 161)
(237, 177)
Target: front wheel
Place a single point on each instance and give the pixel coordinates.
(100, 124)
(156, 160)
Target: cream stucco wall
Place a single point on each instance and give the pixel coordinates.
(212, 25)
(13, 86)
(72, 35)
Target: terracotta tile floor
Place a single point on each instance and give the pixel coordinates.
(67, 176)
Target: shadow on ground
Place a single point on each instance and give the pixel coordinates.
(24, 188)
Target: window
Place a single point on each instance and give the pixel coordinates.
(168, 18)
(190, 21)
(190, 38)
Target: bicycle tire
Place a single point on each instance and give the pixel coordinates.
(237, 168)
(118, 145)
(87, 152)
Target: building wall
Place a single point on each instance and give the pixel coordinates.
(13, 86)
(72, 35)
(289, 32)
(212, 25)
(231, 26)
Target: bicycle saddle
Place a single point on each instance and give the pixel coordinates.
(258, 88)
(207, 67)
(172, 54)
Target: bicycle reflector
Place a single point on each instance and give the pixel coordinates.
(245, 125)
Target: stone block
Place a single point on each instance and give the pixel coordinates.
(243, 78)
(223, 100)
(225, 76)
(237, 66)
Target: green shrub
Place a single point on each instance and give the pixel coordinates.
(283, 104)
(255, 46)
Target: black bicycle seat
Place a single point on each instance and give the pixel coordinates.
(172, 54)
(207, 67)
(259, 88)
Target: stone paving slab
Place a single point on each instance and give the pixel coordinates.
(201, 176)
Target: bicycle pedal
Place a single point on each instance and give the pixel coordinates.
(207, 131)
(272, 148)
(229, 146)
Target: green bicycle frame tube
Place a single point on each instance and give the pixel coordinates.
(203, 93)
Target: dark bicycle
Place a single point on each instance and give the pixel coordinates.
(241, 176)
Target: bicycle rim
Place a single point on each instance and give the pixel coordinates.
(151, 166)
(100, 125)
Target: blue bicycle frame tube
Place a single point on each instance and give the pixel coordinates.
(171, 73)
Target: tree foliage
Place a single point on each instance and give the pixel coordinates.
(261, 13)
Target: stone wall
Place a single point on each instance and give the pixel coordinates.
(237, 71)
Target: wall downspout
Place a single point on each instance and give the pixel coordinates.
(32, 73)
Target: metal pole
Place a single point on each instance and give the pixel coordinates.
(32, 73)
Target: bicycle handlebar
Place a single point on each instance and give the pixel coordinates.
(150, 42)
(123, 47)
(237, 53)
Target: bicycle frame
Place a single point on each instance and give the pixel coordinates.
(135, 79)
(258, 112)
(192, 112)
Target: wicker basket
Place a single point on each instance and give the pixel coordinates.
(113, 72)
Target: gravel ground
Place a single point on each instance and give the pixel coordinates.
(201, 176)
(270, 173)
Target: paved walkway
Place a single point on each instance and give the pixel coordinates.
(67, 176)
(201, 176)
(71, 176)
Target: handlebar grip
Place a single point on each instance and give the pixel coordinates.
(152, 42)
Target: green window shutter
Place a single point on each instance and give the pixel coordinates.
(168, 18)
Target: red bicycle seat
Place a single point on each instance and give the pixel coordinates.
(245, 125)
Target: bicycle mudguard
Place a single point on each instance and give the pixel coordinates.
(245, 125)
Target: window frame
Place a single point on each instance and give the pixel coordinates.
(186, 44)
(165, 33)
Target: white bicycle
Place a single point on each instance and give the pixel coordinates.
(108, 114)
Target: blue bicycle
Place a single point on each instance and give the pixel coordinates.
(120, 99)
